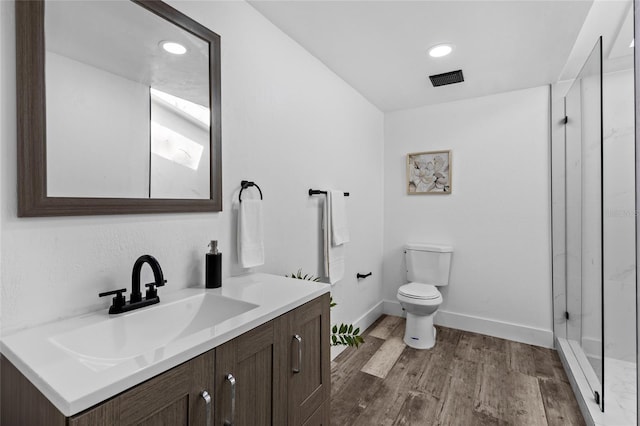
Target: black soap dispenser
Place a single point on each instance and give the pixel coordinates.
(213, 266)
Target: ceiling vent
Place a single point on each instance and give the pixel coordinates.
(447, 78)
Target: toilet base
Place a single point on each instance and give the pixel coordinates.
(420, 332)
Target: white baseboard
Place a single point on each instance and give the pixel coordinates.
(363, 323)
(490, 327)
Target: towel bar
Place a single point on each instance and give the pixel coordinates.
(317, 192)
(247, 184)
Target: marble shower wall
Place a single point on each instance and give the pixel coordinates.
(619, 216)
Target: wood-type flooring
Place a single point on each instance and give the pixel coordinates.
(467, 379)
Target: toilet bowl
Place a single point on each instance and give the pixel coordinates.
(428, 267)
(420, 302)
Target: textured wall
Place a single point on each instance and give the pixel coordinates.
(497, 217)
(288, 123)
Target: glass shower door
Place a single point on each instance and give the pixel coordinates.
(584, 221)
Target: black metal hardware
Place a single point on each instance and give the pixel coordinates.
(247, 184)
(359, 275)
(118, 302)
(152, 290)
(136, 296)
(565, 120)
(597, 397)
(318, 192)
(566, 315)
(136, 301)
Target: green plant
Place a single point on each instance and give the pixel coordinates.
(342, 335)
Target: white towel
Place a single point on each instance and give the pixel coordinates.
(339, 226)
(250, 235)
(334, 264)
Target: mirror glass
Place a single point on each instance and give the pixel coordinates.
(127, 115)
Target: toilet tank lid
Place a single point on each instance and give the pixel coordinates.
(440, 248)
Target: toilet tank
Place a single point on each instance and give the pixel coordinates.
(428, 263)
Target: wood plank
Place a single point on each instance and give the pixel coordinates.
(350, 361)
(525, 402)
(560, 404)
(492, 392)
(457, 403)
(448, 335)
(387, 355)
(394, 390)
(418, 408)
(384, 359)
(548, 364)
(437, 370)
(384, 329)
(354, 398)
(482, 349)
(520, 358)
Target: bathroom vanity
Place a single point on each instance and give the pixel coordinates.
(263, 360)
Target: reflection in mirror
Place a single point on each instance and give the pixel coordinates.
(126, 117)
(179, 146)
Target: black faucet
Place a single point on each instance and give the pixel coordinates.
(136, 301)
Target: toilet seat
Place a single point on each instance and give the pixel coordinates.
(419, 291)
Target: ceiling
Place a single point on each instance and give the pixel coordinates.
(380, 47)
(124, 39)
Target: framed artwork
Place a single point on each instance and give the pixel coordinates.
(429, 172)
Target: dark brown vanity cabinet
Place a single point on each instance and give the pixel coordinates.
(278, 373)
(248, 379)
(275, 374)
(308, 362)
(173, 398)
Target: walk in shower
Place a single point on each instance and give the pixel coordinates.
(594, 247)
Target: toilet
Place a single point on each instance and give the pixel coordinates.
(428, 267)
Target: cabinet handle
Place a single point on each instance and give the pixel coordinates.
(298, 339)
(232, 381)
(207, 400)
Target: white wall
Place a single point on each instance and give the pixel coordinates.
(619, 216)
(288, 123)
(497, 217)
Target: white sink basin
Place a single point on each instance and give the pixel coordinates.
(117, 338)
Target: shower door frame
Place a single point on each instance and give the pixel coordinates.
(567, 306)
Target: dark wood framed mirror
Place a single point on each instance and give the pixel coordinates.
(60, 172)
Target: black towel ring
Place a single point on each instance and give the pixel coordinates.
(246, 184)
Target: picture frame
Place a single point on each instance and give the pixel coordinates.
(429, 172)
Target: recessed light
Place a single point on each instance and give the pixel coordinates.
(173, 47)
(440, 50)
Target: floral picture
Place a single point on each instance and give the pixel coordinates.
(429, 172)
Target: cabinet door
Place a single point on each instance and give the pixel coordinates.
(172, 398)
(308, 359)
(248, 380)
(320, 417)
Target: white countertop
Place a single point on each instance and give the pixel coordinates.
(73, 384)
